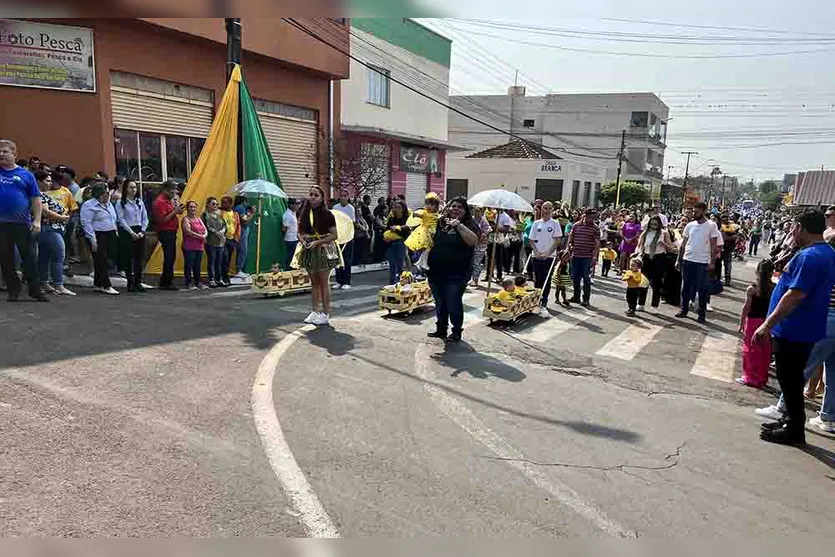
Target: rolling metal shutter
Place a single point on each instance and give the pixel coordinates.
(148, 112)
(293, 147)
(416, 187)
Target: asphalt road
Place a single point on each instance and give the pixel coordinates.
(141, 415)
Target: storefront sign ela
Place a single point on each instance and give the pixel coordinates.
(418, 159)
(46, 56)
(551, 167)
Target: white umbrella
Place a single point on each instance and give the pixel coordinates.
(501, 199)
(258, 188)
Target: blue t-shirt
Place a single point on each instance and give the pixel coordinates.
(241, 210)
(812, 271)
(17, 187)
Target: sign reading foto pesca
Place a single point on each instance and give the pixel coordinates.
(46, 56)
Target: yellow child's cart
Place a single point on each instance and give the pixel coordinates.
(398, 301)
(527, 304)
(280, 283)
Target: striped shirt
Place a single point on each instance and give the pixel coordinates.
(585, 237)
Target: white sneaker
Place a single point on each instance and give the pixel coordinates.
(641, 308)
(337, 286)
(64, 291)
(823, 425)
(709, 307)
(771, 412)
(111, 291)
(543, 312)
(346, 287)
(321, 319)
(652, 310)
(312, 317)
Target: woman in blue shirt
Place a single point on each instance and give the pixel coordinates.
(132, 218)
(98, 218)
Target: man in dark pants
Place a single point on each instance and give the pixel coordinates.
(20, 223)
(797, 320)
(544, 239)
(695, 258)
(167, 222)
(584, 243)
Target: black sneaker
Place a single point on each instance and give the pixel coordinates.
(784, 436)
(454, 337)
(771, 426)
(436, 334)
(12, 297)
(681, 314)
(701, 320)
(39, 297)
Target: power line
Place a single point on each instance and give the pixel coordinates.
(715, 27)
(307, 31)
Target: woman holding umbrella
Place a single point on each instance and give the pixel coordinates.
(450, 267)
(320, 253)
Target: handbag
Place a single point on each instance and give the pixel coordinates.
(332, 253)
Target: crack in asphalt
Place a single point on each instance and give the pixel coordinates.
(674, 457)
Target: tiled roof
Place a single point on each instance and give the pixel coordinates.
(816, 187)
(516, 149)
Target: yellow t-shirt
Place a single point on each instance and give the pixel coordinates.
(633, 278)
(231, 223)
(520, 291)
(64, 198)
(608, 254)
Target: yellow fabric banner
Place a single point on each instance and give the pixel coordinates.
(216, 171)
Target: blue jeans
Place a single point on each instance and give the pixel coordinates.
(581, 272)
(214, 255)
(232, 246)
(290, 247)
(694, 281)
(243, 250)
(191, 267)
(51, 250)
(448, 292)
(822, 353)
(343, 274)
(396, 256)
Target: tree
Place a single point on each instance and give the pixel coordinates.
(769, 186)
(772, 200)
(360, 167)
(631, 193)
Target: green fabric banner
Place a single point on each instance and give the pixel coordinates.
(258, 163)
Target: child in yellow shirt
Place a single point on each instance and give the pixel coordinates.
(636, 287)
(506, 297)
(522, 286)
(608, 254)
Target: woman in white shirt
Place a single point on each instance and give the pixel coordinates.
(98, 218)
(132, 218)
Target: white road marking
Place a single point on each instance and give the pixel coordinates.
(316, 521)
(630, 342)
(556, 325)
(717, 358)
(468, 421)
(752, 263)
(243, 291)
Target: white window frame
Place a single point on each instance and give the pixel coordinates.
(163, 154)
(379, 87)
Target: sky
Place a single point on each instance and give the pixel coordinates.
(738, 112)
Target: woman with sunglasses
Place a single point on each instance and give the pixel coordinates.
(320, 252)
(215, 242)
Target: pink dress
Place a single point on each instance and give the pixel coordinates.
(756, 356)
(190, 243)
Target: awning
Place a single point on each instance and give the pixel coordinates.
(418, 140)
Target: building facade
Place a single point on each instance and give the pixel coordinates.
(393, 137)
(583, 126)
(152, 89)
(529, 170)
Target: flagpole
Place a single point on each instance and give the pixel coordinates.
(258, 242)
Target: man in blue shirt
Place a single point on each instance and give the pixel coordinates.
(20, 222)
(246, 213)
(797, 320)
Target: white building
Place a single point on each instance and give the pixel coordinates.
(584, 127)
(384, 117)
(529, 170)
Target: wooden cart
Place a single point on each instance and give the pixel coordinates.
(405, 302)
(529, 304)
(281, 282)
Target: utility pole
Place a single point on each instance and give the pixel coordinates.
(686, 173)
(233, 57)
(620, 166)
(723, 191)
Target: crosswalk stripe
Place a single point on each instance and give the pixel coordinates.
(717, 358)
(630, 342)
(543, 332)
(243, 291)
